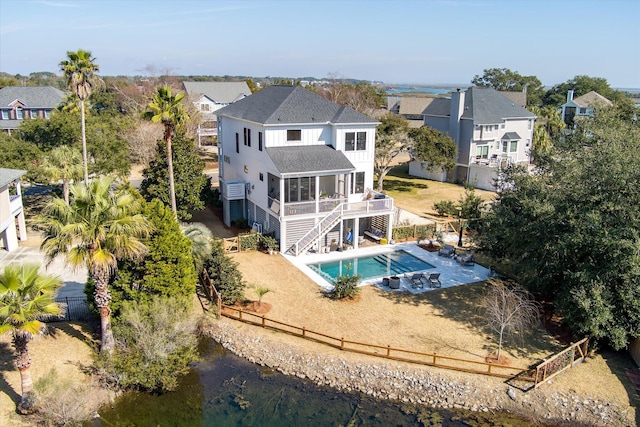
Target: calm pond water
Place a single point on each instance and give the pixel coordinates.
(225, 390)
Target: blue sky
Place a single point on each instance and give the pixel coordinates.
(419, 41)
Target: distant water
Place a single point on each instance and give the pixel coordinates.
(429, 90)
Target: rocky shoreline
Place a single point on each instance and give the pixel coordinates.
(436, 388)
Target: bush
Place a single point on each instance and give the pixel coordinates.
(225, 275)
(241, 223)
(61, 402)
(345, 286)
(269, 242)
(249, 241)
(155, 344)
(445, 207)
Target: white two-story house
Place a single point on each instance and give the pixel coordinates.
(208, 97)
(490, 131)
(12, 221)
(293, 163)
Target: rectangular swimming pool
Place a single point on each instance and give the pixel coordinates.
(372, 266)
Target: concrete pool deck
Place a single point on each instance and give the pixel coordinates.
(451, 272)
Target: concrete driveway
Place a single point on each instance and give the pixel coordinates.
(28, 252)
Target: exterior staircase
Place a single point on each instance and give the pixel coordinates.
(320, 229)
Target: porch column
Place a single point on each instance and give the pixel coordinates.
(389, 227)
(316, 196)
(22, 226)
(356, 233)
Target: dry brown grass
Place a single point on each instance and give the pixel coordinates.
(445, 321)
(418, 195)
(67, 348)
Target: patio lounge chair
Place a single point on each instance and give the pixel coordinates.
(433, 279)
(447, 250)
(466, 259)
(416, 280)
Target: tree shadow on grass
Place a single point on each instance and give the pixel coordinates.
(619, 362)
(85, 332)
(7, 364)
(462, 305)
(401, 186)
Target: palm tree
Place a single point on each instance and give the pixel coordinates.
(169, 110)
(201, 238)
(100, 226)
(79, 69)
(25, 295)
(63, 163)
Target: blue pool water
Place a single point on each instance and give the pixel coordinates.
(368, 267)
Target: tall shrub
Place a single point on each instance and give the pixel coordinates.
(167, 270)
(225, 275)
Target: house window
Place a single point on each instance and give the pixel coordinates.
(249, 137)
(260, 141)
(300, 189)
(5, 114)
(204, 107)
(19, 113)
(583, 110)
(294, 135)
(355, 141)
(361, 142)
(261, 176)
(237, 142)
(349, 141)
(505, 145)
(503, 125)
(482, 152)
(513, 146)
(34, 114)
(357, 180)
(488, 128)
(245, 136)
(529, 124)
(47, 113)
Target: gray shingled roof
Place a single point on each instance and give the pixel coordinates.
(486, 106)
(308, 159)
(482, 105)
(414, 105)
(438, 107)
(32, 96)
(291, 105)
(9, 175)
(511, 136)
(592, 99)
(219, 92)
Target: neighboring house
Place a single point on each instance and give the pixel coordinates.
(582, 106)
(490, 131)
(412, 108)
(519, 97)
(209, 97)
(18, 103)
(11, 209)
(300, 166)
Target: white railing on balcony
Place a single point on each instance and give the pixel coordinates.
(15, 203)
(336, 215)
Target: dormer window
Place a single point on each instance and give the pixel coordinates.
(205, 107)
(5, 114)
(19, 113)
(294, 135)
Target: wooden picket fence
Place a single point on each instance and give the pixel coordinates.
(534, 376)
(387, 352)
(568, 358)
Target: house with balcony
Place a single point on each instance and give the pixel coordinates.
(490, 130)
(12, 223)
(582, 106)
(209, 97)
(18, 103)
(296, 164)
